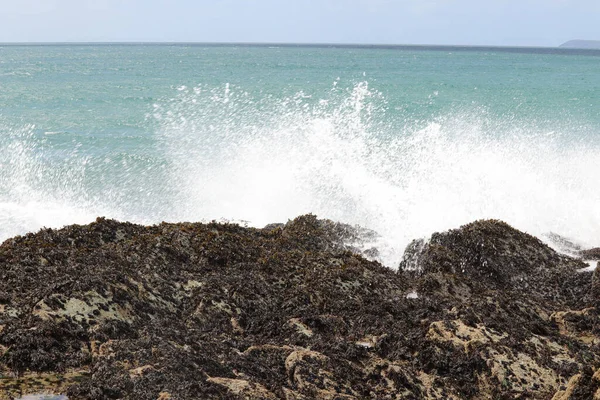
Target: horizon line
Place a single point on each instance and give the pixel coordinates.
(341, 44)
(558, 48)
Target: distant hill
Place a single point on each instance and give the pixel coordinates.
(582, 44)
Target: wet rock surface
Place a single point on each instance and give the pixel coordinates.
(182, 311)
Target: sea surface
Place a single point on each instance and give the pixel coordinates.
(402, 140)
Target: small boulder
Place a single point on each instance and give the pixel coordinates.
(492, 255)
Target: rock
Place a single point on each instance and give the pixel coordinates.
(273, 226)
(590, 254)
(219, 311)
(248, 390)
(491, 255)
(585, 385)
(595, 292)
(336, 236)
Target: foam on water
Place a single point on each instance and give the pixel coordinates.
(229, 154)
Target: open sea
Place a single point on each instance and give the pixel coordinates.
(402, 140)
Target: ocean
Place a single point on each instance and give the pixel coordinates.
(402, 140)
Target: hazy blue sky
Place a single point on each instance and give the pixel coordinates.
(486, 22)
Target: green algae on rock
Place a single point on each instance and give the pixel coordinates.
(116, 310)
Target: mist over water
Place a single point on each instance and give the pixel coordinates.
(424, 148)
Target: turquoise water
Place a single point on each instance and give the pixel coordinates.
(404, 141)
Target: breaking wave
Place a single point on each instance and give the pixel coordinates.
(224, 153)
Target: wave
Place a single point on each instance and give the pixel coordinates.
(225, 153)
(266, 160)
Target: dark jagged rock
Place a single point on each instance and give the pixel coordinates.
(590, 254)
(181, 311)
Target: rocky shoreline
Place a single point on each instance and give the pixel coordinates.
(115, 310)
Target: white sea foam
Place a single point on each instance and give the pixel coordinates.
(592, 265)
(238, 158)
(258, 158)
(34, 194)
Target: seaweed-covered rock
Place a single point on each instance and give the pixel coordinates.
(491, 255)
(116, 310)
(595, 291)
(590, 254)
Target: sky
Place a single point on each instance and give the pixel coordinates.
(459, 22)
